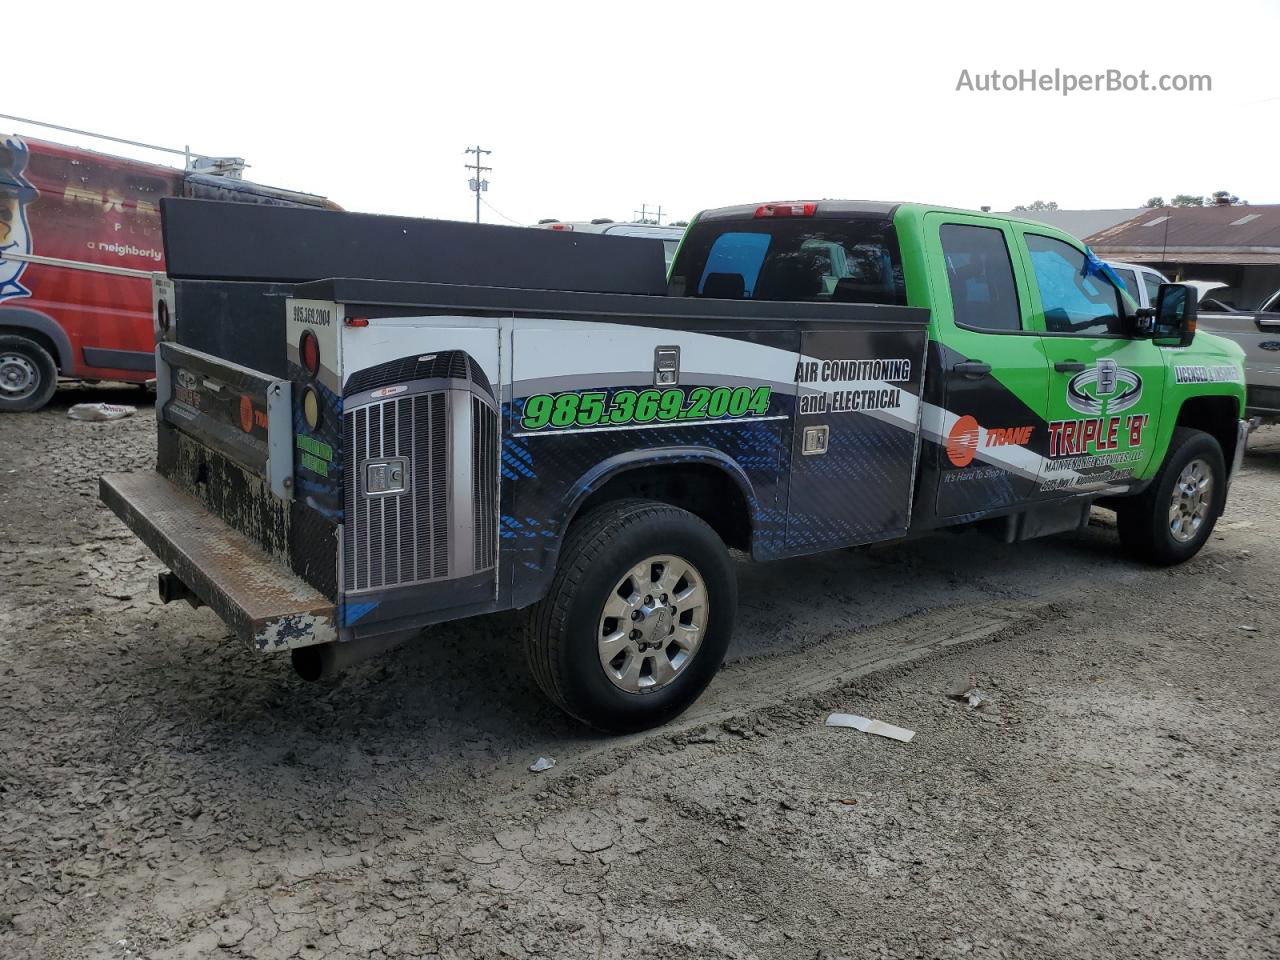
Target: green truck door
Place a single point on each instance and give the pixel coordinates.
(1105, 388)
(990, 429)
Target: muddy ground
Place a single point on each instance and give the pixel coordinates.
(165, 793)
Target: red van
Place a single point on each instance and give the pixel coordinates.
(79, 238)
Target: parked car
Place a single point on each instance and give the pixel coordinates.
(670, 236)
(79, 240)
(1257, 332)
(1140, 282)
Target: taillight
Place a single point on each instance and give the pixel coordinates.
(162, 316)
(309, 352)
(787, 210)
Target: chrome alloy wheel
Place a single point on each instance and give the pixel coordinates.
(652, 624)
(19, 377)
(1192, 496)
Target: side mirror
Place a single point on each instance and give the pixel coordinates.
(1174, 323)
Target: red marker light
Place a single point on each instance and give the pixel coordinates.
(566, 227)
(309, 352)
(356, 321)
(787, 210)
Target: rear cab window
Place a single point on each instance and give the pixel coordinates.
(843, 259)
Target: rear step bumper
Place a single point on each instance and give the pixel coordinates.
(268, 606)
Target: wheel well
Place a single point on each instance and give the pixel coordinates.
(704, 490)
(1217, 417)
(35, 336)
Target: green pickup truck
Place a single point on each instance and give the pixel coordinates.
(566, 428)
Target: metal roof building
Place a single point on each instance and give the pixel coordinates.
(1238, 245)
(1078, 223)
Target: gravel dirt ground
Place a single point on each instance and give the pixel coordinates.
(165, 793)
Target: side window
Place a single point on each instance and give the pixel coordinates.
(1152, 282)
(1077, 297)
(984, 295)
(1130, 283)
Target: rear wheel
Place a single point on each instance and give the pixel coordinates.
(1171, 521)
(638, 617)
(28, 375)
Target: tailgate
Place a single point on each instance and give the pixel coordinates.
(239, 412)
(252, 436)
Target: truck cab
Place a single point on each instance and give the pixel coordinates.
(1041, 392)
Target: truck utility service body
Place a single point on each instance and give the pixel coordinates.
(344, 461)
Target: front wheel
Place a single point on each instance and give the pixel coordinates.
(1173, 518)
(638, 617)
(28, 375)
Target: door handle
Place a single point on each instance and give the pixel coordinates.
(972, 368)
(1069, 366)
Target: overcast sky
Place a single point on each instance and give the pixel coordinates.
(593, 108)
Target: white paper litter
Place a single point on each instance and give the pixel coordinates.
(867, 725)
(542, 763)
(101, 411)
(975, 697)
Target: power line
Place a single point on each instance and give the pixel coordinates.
(478, 182)
(518, 223)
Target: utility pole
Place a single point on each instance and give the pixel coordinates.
(478, 182)
(643, 214)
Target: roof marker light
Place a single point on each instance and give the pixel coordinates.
(787, 209)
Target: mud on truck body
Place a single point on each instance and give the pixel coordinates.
(563, 427)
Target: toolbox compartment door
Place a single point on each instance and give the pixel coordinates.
(857, 435)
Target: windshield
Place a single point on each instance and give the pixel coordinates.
(842, 261)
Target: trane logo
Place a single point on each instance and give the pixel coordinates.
(314, 316)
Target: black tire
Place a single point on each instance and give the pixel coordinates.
(1144, 520)
(563, 631)
(27, 359)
